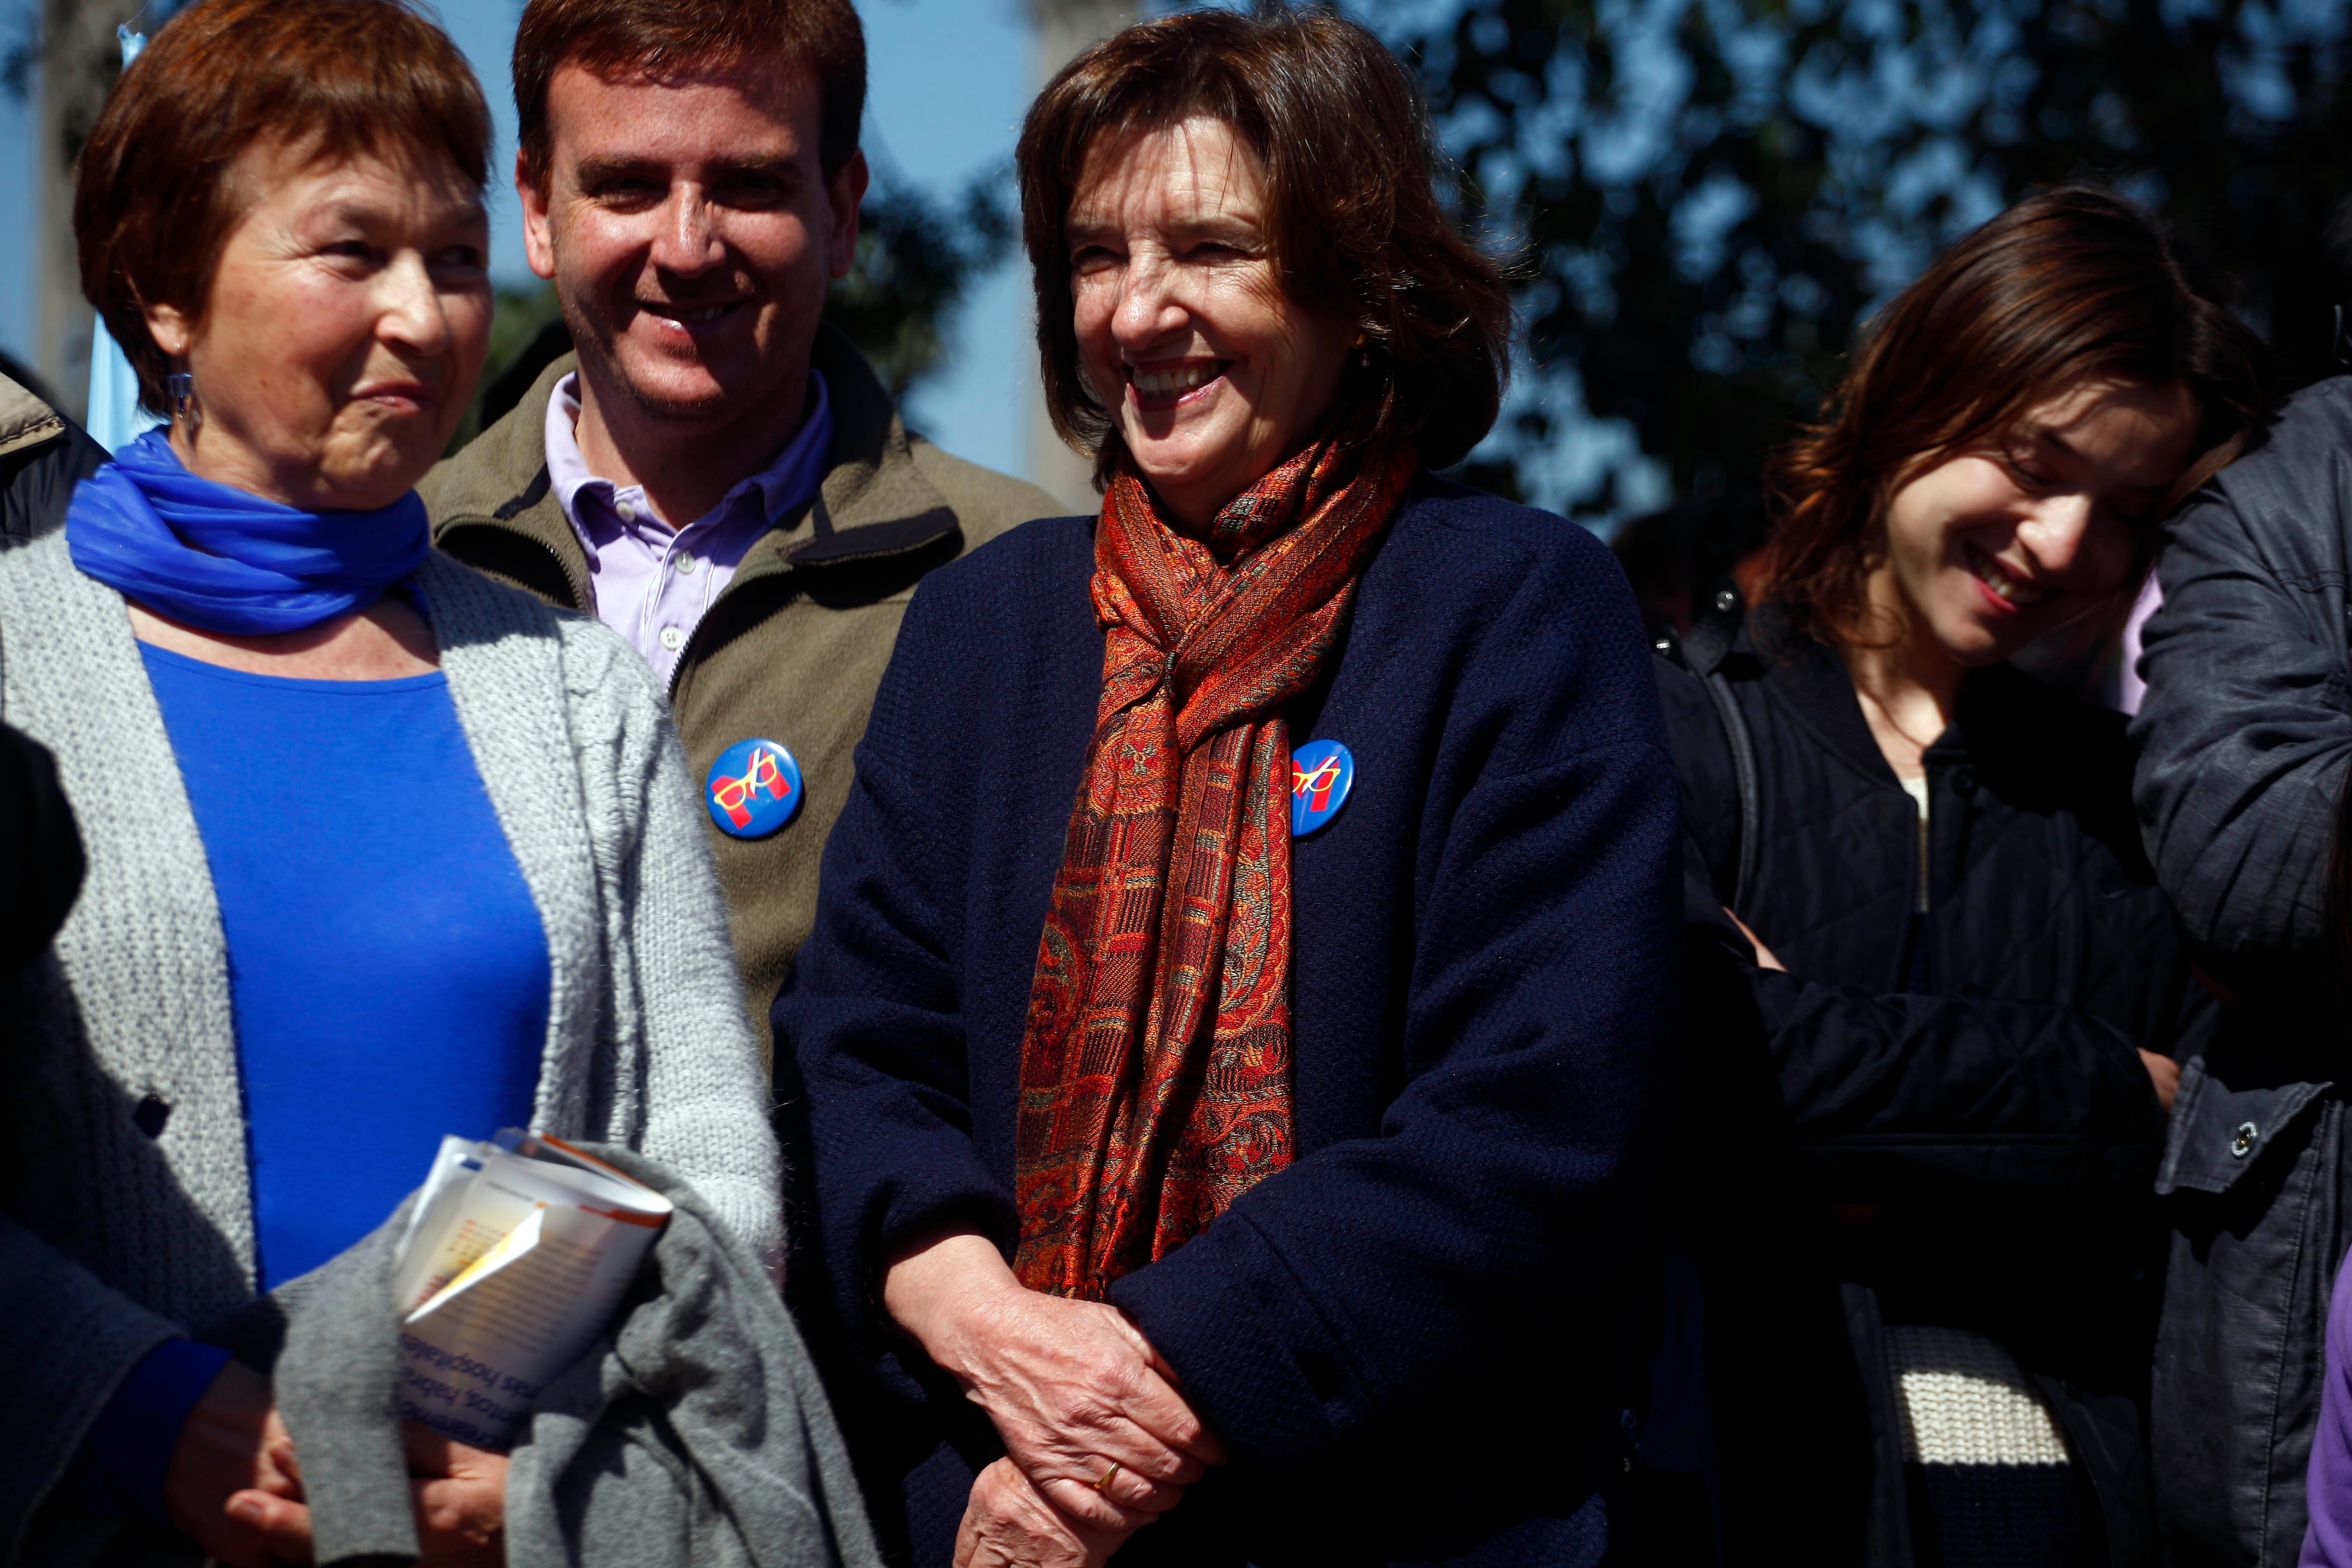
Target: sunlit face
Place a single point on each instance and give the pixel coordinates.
(1212, 373)
(1994, 547)
(345, 328)
(691, 234)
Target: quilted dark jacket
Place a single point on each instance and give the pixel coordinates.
(2244, 742)
(1962, 1136)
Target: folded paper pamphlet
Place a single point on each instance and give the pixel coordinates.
(517, 1253)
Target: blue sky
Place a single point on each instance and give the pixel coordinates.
(16, 201)
(951, 78)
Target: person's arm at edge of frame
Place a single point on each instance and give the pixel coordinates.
(73, 1343)
(2327, 1540)
(169, 1419)
(2246, 727)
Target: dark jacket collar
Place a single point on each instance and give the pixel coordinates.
(2000, 708)
(873, 501)
(1811, 678)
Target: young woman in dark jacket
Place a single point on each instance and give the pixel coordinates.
(1940, 992)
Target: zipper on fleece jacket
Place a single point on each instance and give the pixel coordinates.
(582, 593)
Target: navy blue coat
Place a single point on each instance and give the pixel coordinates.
(1411, 1340)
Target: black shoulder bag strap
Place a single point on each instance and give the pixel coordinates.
(1704, 651)
(1743, 773)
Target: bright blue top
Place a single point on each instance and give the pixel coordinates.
(386, 962)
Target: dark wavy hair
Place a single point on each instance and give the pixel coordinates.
(1359, 231)
(2069, 286)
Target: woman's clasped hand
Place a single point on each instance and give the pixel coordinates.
(225, 1486)
(234, 1485)
(1098, 1439)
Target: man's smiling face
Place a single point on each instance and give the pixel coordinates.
(691, 232)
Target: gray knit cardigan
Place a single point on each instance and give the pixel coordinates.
(113, 1240)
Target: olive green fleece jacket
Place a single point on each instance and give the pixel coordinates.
(794, 647)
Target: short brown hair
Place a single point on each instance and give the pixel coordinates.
(154, 203)
(664, 40)
(2068, 287)
(1359, 231)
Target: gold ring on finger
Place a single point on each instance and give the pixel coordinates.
(1104, 1484)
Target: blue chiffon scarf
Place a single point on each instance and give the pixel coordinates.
(211, 556)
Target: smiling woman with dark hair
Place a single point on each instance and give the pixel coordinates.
(1944, 995)
(1235, 1005)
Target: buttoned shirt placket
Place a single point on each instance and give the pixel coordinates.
(631, 573)
(654, 622)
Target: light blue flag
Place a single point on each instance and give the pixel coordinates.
(115, 417)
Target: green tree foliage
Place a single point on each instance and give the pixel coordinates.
(1710, 195)
(917, 257)
(527, 334)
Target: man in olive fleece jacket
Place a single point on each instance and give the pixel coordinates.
(715, 473)
(795, 646)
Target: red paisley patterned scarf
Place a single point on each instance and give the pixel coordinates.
(1156, 1068)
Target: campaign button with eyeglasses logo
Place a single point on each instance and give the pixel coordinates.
(1321, 774)
(754, 788)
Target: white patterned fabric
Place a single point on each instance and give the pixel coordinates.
(1965, 1401)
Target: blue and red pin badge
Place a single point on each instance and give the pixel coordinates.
(1321, 774)
(754, 788)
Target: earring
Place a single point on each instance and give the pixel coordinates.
(1363, 353)
(180, 386)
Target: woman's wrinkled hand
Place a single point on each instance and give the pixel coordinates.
(1071, 1386)
(1008, 1525)
(2165, 1073)
(461, 1499)
(460, 1495)
(230, 1484)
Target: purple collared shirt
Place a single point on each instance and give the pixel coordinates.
(653, 583)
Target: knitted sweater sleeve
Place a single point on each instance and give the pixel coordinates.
(2245, 734)
(705, 1093)
(1890, 1095)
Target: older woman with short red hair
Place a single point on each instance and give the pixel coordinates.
(379, 850)
(1234, 1000)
